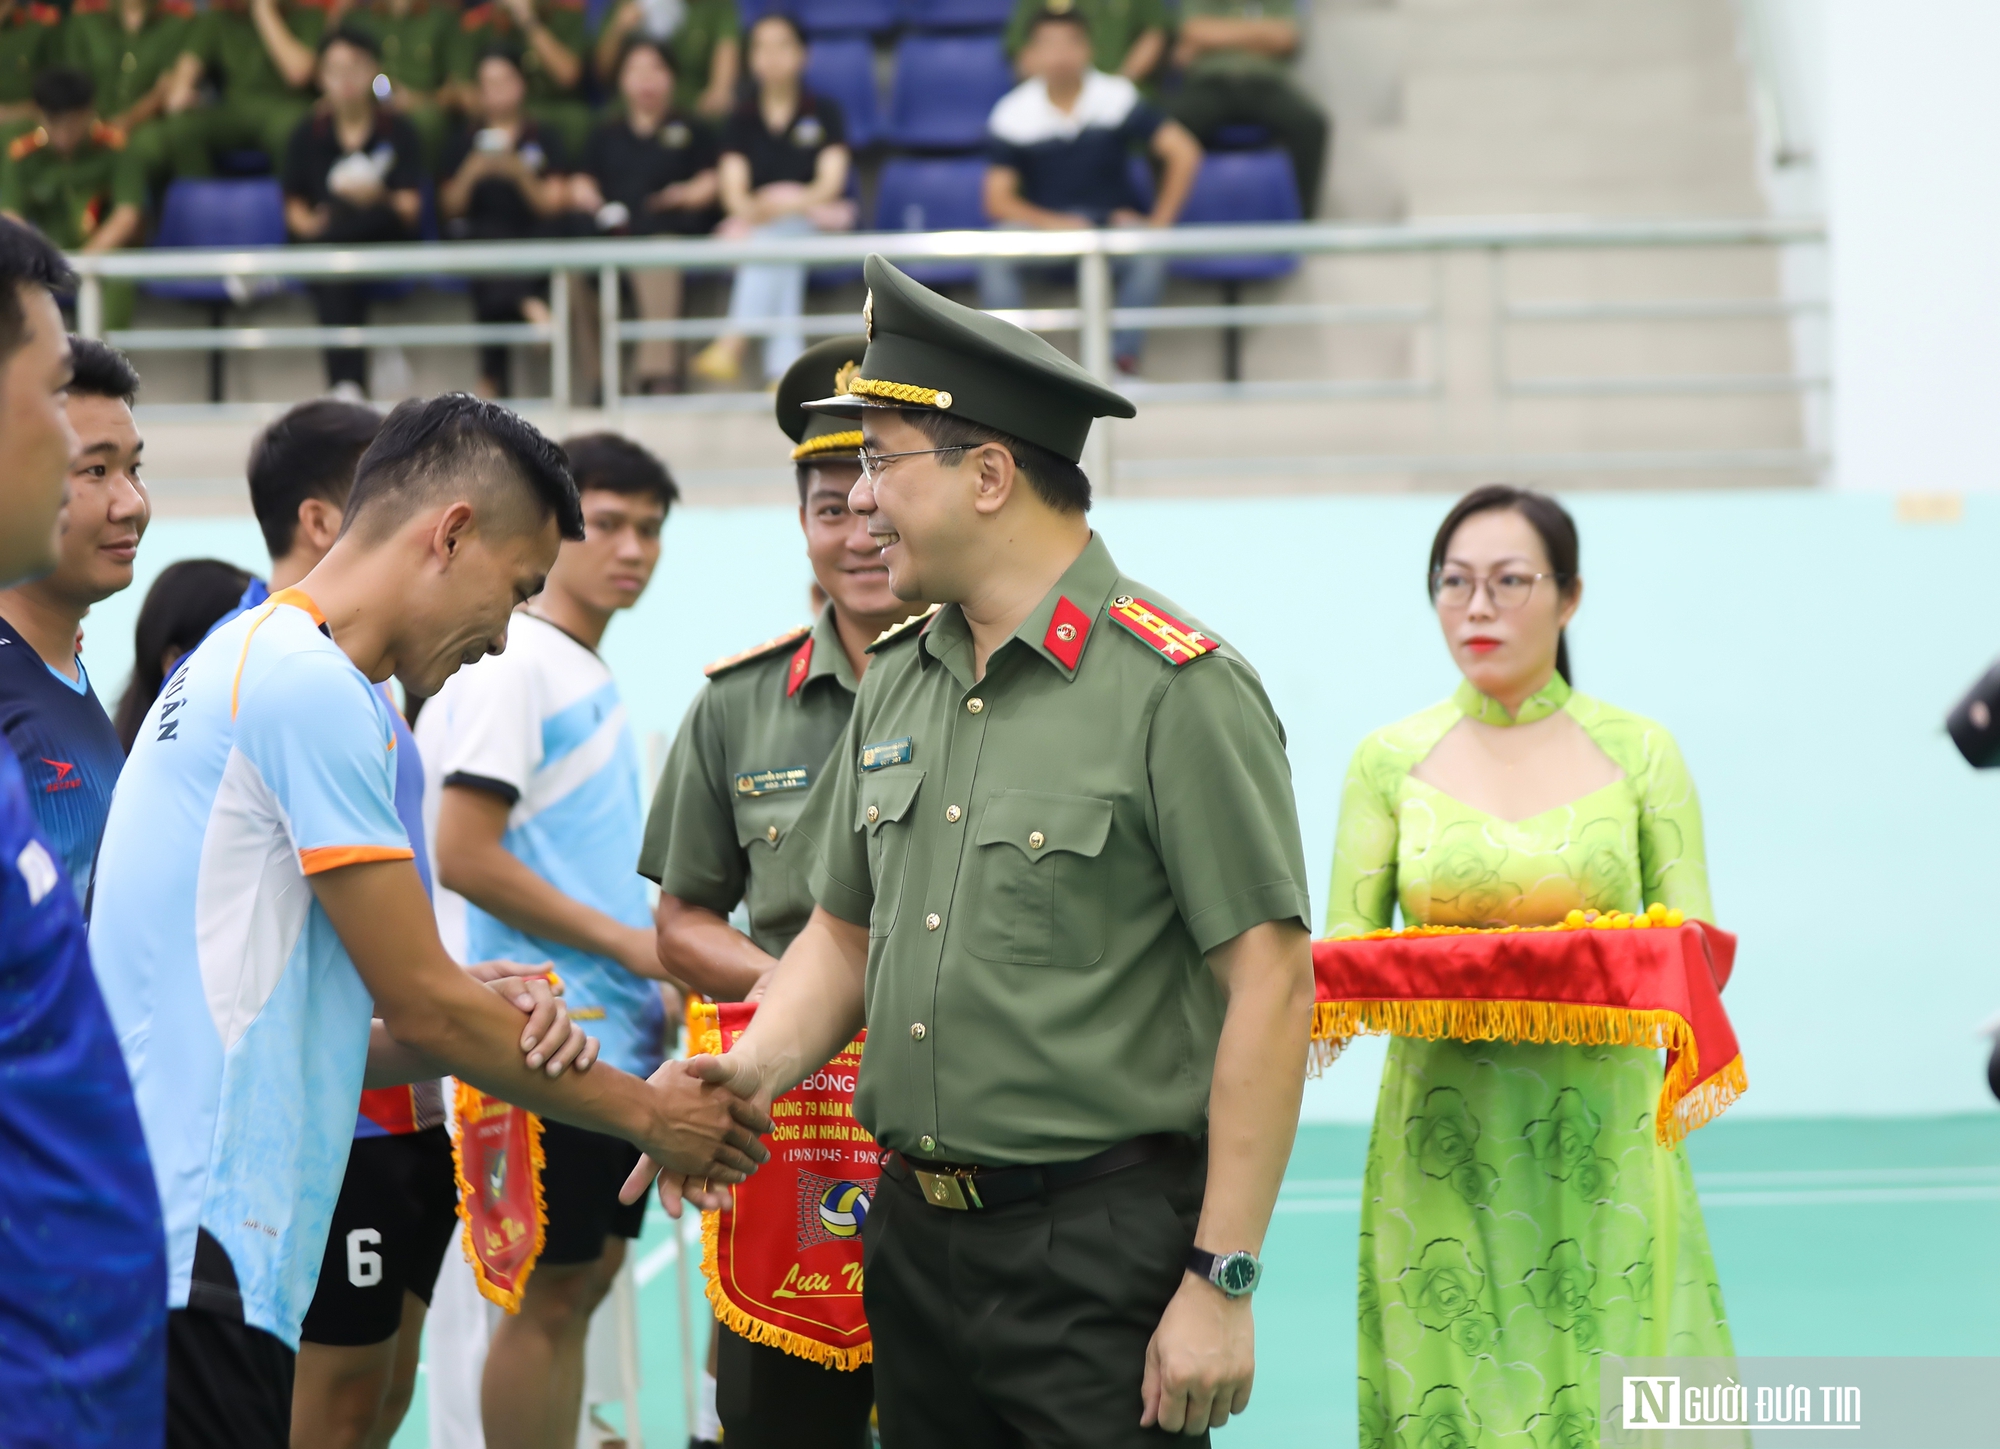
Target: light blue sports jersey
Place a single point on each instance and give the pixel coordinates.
(542, 727)
(266, 759)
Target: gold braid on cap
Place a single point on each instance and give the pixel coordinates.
(847, 442)
(902, 392)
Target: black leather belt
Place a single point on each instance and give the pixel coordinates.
(962, 1189)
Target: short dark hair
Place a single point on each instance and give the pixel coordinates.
(618, 465)
(310, 452)
(778, 17)
(62, 89)
(1549, 519)
(101, 370)
(349, 35)
(427, 445)
(642, 42)
(181, 607)
(1056, 17)
(27, 259)
(1059, 482)
(806, 467)
(498, 50)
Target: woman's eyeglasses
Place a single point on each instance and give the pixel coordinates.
(1453, 588)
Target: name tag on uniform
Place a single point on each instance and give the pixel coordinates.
(752, 783)
(889, 752)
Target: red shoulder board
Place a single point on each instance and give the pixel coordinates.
(1069, 627)
(801, 666)
(28, 144)
(1176, 642)
(44, 14)
(107, 136)
(760, 651)
(179, 9)
(475, 16)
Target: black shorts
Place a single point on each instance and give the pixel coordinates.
(396, 1218)
(770, 1399)
(581, 1174)
(229, 1386)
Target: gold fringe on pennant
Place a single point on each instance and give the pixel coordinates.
(1682, 1106)
(826, 1355)
(465, 1098)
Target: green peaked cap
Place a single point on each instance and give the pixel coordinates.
(822, 370)
(925, 351)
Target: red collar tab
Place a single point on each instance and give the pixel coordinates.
(802, 663)
(1069, 626)
(1176, 642)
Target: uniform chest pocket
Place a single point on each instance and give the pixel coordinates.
(776, 894)
(883, 808)
(1038, 882)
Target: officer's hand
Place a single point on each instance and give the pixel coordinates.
(1200, 1362)
(702, 1133)
(550, 1040)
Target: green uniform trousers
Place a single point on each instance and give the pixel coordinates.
(1207, 103)
(1026, 1324)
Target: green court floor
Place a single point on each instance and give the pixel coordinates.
(1859, 1236)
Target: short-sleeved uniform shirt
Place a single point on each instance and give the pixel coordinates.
(68, 197)
(316, 148)
(542, 726)
(415, 45)
(629, 167)
(1238, 62)
(1115, 25)
(83, 1274)
(788, 155)
(29, 42)
(267, 759)
(1074, 161)
(126, 64)
(234, 56)
(1043, 857)
(67, 749)
(484, 26)
(754, 742)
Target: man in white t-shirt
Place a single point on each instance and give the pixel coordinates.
(538, 830)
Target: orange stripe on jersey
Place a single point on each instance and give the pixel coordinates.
(298, 599)
(320, 858)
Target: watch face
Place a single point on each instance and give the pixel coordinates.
(1238, 1274)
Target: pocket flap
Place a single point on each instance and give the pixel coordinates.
(885, 796)
(1038, 824)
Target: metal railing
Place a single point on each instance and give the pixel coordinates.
(1094, 318)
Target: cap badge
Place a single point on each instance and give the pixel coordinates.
(868, 315)
(841, 379)
(943, 399)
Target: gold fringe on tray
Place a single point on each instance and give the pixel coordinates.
(1682, 1107)
(465, 1100)
(756, 1330)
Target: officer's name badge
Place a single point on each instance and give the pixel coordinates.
(752, 783)
(890, 752)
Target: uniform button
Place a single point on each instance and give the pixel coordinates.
(1036, 840)
(952, 812)
(772, 835)
(917, 1032)
(927, 1142)
(933, 921)
(975, 705)
(873, 814)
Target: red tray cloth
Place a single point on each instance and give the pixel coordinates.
(1660, 987)
(783, 1262)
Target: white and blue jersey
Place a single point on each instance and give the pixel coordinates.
(267, 759)
(542, 727)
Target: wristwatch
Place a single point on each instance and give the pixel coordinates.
(1234, 1273)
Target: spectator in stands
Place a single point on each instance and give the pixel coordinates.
(702, 40)
(506, 177)
(351, 175)
(784, 173)
(1061, 145)
(1232, 57)
(48, 711)
(415, 38)
(260, 57)
(130, 48)
(650, 170)
(1128, 37)
(30, 41)
(552, 40)
(72, 178)
(180, 608)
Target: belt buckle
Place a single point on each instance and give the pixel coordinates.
(953, 1190)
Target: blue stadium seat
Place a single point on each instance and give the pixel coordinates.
(945, 87)
(749, 12)
(956, 14)
(844, 17)
(1241, 186)
(935, 194)
(217, 213)
(842, 68)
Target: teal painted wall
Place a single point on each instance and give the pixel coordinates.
(1803, 647)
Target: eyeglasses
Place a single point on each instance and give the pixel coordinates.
(1453, 588)
(872, 463)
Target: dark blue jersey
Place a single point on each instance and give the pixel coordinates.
(83, 1267)
(69, 753)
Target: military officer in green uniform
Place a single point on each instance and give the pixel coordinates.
(1127, 37)
(755, 740)
(261, 56)
(551, 39)
(28, 41)
(415, 38)
(1058, 876)
(1233, 58)
(705, 46)
(131, 49)
(73, 179)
